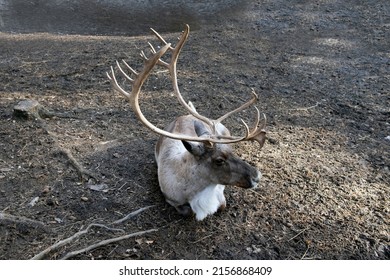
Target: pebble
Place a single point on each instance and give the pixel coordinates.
(46, 190)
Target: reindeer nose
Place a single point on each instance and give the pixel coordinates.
(256, 179)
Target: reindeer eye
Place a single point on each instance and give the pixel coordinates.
(219, 161)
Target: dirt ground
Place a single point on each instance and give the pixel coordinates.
(322, 70)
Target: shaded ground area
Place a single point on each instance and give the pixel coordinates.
(107, 17)
(322, 71)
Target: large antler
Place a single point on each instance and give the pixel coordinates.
(256, 134)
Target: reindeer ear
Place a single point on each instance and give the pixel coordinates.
(198, 149)
(200, 129)
(195, 148)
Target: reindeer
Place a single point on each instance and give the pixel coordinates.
(194, 156)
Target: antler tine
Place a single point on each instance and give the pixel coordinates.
(131, 69)
(173, 73)
(247, 131)
(136, 88)
(257, 117)
(265, 122)
(242, 107)
(258, 133)
(143, 56)
(159, 37)
(160, 61)
(152, 48)
(211, 123)
(115, 84)
(123, 72)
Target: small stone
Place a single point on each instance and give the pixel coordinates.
(46, 190)
(27, 109)
(83, 198)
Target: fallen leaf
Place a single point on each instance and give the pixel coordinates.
(5, 169)
(99, 187)
(34, 201)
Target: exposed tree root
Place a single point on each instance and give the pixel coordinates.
(81, 170)
(105, 242)
(131, 215)
(31, 109)
(7, 218)
(74, 237)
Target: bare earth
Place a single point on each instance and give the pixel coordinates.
(322, 70)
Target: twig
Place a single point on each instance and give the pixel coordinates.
(305, 253)
(63, 242)
(201, 239)
(79, 168)
(70, 239)
(105, 242)
(132, 214)
(299, 233)
(257, 193)
(112, 251)
(33, 110)
(135, 183)
(122, 186)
